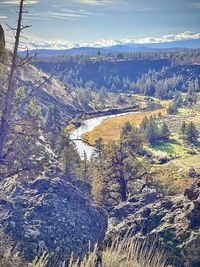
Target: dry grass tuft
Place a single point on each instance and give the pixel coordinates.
(128, 252)
(125, 253)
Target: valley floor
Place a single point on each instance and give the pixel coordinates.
(183, 156)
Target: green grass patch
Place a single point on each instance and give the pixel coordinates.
(172, 147)
(188, 161)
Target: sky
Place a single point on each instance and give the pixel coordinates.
(71, 23)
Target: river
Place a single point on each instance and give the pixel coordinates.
(87, 126)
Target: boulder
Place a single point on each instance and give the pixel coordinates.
(84, 186)
(49, 214)
(174, 220)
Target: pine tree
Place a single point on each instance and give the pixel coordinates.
(183, 129)
(115, 174)
(178, 100)
(144, 124)
(85, 174)
(192, 133)
(165, 132)
(68, 154)
(172, 109)
(133, 141)
(152, 133)
(126, 129)
(99, 148)
(71, 162)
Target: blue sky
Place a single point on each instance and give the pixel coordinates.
(73, 22)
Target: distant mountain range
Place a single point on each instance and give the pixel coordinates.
(187, 44)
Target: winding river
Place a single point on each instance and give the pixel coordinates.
(87, 126)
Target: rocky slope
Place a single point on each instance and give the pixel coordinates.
(49, 214)
(174, 220)
(51, 92)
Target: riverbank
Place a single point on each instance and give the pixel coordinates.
(110, 128)
(88, 124)
(78, 119)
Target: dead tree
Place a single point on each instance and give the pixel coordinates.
(6, 112)
(2, 41)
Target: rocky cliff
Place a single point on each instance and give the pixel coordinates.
(174, 220)
(50, 214)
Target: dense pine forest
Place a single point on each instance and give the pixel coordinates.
(153, 74)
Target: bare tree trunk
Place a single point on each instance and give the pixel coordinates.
(6, 112)
(2, 41)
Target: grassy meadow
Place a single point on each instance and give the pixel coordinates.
(110, 128)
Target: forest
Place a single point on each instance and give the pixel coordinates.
(153, 74)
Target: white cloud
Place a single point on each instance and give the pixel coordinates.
(93, 2)
(34, 16)
(69, 14)
(40, 44)
(166, 38)
(58, 44)
(3, 17)
(60, 15)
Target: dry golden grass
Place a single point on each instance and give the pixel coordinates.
(125, 253)
(110, 128)
(182, 184)
(128, 252)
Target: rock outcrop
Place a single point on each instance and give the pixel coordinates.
(174, 220)
(52, 215)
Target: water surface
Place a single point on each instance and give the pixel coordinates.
(87, 126)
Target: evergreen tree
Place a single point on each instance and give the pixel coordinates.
(172, 109)
(117, 172)
(68, 154)
(126, 129)
(165, 132)
(133, 141)
(183, 129)
(152, 133)
(192, 133)
(178, 100)
(85, 172)
(71, 162)
(99, 148)
(144, 124)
